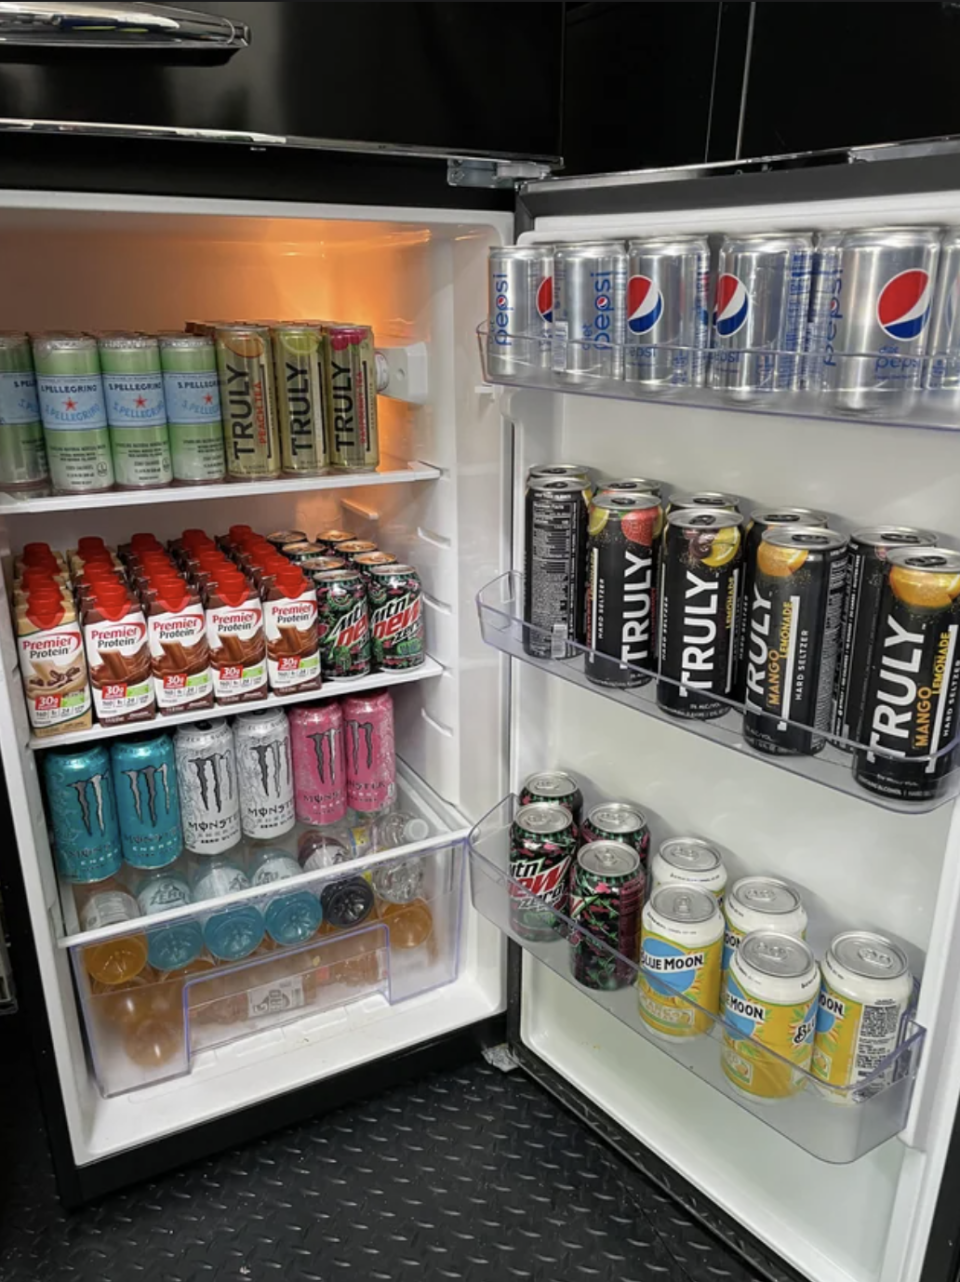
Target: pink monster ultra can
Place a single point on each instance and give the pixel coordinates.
(371, 760)
(319, 763)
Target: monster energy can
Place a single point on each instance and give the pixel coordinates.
(207, 776)
(350, 398)
(265, 770)
(248, 401)
(148, 801)
(83, 813)
(133, 392)
(70, 391)
(298, 354)
(23, 459)
(192, 396)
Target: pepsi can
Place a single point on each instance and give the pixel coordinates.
(943, 365)
(825, 314)
(590, 293)
(520, 283)
(667, 327)
(888, 280)
(760, 311)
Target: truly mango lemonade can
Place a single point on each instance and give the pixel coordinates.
(681, 942)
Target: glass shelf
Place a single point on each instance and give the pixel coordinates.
(500, 606)
(834, 1124)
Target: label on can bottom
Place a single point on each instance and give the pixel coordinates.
(674, 976)
(852, 1037)
(786, 1029)
(80, 461)
(197, 451)
(141, 455)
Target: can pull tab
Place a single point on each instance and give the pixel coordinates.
(682, 907)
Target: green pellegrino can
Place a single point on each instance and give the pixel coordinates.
(23, 458)
(72, 410)
(191, 390)
(133, 393)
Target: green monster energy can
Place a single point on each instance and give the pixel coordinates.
(133, 392)
(23, 459)
(298, 365)
(350, 395)
(192, 396)
(70, 391)
(248, 401)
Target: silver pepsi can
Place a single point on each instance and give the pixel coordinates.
(667, 326)
(589, 310)
(943, 362)
(825, 314)
(761, 300)
(888, 283)
(520, 292)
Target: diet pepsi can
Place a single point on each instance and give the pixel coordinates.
(667, 327)
(760, 311)
(825, 314)
(943, 364)
(520, 284)
(888, 280)
(590, 292)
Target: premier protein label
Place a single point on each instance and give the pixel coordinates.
(293, 650)
(119, 661)
(54, 675)
(180, 656)
(237, 650)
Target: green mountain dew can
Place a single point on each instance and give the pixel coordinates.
(72, 410)
(298, 366)
(248, 401)
(191, 392)
(23, 459)
(133, 392)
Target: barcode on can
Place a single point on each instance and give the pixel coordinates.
(560, 331)
(558, 641)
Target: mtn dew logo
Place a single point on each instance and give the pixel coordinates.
(679, 985)
(346, 642)
(754, 1027)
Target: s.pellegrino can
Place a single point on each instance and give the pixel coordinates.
(557, 787)
(543, 842)
(826, 312)
(589, 299)
(148, 800)
(909, 723)
(943, 361)
(83, 813)
(554, 563)
(264, 772)
(136, 413)
(298, 358)
(343, 623)
(248, 402)
(606, 897)
(23, 456)
(350, 398)
(623, 552)
(207, 778)
(191, 392)
(396, 615)
(75, 432)
(520, 310)
(699, 596)
(796, 613)
(668, 325)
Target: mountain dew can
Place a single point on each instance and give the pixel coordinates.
(136, 413)
(75, 432)
(23, 458)
(343, 623)
(298, 355)
(681, 942)
(606, 892)
(191, 392)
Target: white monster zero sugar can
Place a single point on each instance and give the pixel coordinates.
(207, 778)
(265, 771)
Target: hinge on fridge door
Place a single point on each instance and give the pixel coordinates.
(494, 173)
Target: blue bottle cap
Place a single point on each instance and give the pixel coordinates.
(234, 933)
(170, 947)
(294, 918)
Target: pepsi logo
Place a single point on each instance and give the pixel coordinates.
(644, 304)
(602, 302)
(903, 306)
(545, 298)
(501, 300)
(731, 306)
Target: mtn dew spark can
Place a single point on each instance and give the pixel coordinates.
(23, 458)
(191, 393)
(248, 402)
(543, 842)
(75, 432)
(136, 413)
(606, 894)
(769, 1004)
(148, 800)
(343, 623)
(396, 616)
(681, 940)
(617, 821)
(298, 356)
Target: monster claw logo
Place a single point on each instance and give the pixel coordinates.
(269, 758)
(149, 774)
(318, 740)
(95, 783)
(220, 772)
(364, 729)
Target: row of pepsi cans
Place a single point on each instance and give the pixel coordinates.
(860, 315)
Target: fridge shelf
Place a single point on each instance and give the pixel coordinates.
(500, 606)
(527, 361)
(835, 1124)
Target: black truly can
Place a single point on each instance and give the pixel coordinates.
(865, 580)
(683, 500)
(623, 551)
(795, 618)
(343, 623)
(699, 595)
(910, 715)
(396, 617)
(557, 787)
(543, 842)
(606, 898)
(761, 521)
(633, 485)
(576, 471)
(555, 552)
(617, 821)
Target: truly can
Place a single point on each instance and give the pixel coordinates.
(867, 993)
(910, 713)
(699, 601)
(623, 552)
(760, 309)
(795, 619)
(136, 413)
(350, 398)
(668, 323)
(302, 550)
(617, 821)
(298, 366)
(148, 800)
(343, 623)
(23, 457)
(75, 432)
(290, 918)
(248, 402)
(396, 616)
(578, 471)
(207, 778)
(761, 903)
(865, 579)
(606, 896)
(769, 1005)
(280, 538)
(632, 485)
(684, 500)
(366, 561)
(371, 757)
(554, 564)
(230, 933)
(178, 943)
(543, 842)
(191, 393)
(83, 813)
(264, 772)
(331, 539)
(557, 787)
(681, 938)
(319, 763)
(760, 521)
(888, 283)
(356, 547)
(943, 359)
(589, 300)
(520, 309)
(825, 314)
(689, 861)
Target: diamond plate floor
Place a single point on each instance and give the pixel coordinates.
(474, 1175)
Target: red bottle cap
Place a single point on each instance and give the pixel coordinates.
(33, 551)
(291, 582)
(89, 544)
(238, 531)
(45, 609)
